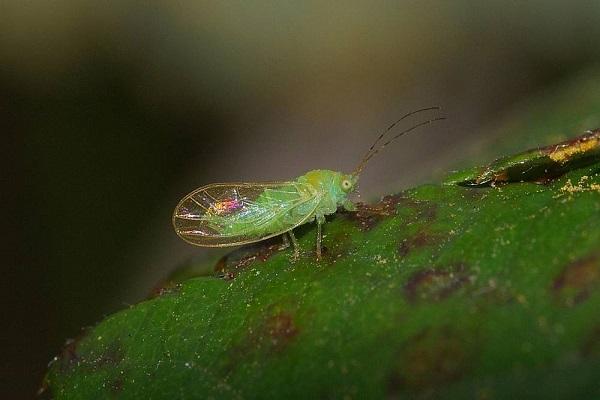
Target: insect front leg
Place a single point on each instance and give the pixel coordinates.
(320, 221)
(349, 205)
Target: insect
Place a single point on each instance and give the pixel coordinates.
(233, 214)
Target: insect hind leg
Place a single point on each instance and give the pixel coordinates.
(286, 241)
(294, 243)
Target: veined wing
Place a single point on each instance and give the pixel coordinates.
(231, 214)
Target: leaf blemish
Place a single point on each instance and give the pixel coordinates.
(584, 185)
(370, 215)
(431, 358)
(112, 355)
(281, 330)
(339, 246)
(69, 356)
(421, 239)
(591, 346)
(436, 284)
(117, 384)
(540, 165)
(108, 357)
(272, 335)
(576, 281)
(230, 265)
(165, 288)
(565, 151)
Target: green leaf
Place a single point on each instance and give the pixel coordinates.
(442, 291)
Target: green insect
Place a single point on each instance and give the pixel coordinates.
(234, 214)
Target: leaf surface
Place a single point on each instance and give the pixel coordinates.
(441, 291)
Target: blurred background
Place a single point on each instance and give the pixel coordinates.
(112, 111)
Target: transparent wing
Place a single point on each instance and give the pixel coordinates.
(231, 214)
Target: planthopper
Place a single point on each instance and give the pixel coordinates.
(234, 214)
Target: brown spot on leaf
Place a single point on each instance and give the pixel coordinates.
(591, 346)
(280, 329)
(427, 211)
(370, 215)
(270, 336)
(430, 360)
(96, 358)
(576, 281)
(436, 284)
(111, 355)
(423, 211)
(338, 246)
(230, 265)
(116, 385)
(472, 194)
(164, 288)
(69, 356)
(421, 239)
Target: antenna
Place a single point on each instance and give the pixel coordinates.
(372, 151)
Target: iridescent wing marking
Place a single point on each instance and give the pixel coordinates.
(232, 214)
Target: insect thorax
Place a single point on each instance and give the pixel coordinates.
(328, 184)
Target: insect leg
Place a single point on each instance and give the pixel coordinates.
(286, 241)
(320, 221)
(294, 243)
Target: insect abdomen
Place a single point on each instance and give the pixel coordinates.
(269, 213)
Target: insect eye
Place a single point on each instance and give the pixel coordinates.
(346, 184)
